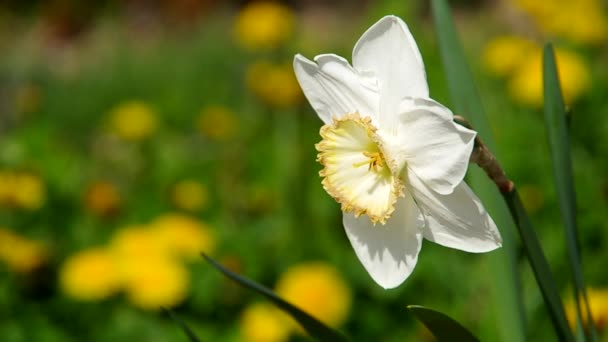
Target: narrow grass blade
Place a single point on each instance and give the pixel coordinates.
(559, 144)
(185, 328)
(313, 327)
(441, 326)
(540, 266)
(466, 102)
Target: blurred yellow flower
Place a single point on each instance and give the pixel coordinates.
(29, 191)
(526, 85)
(502, 55)
(102, 198)
(584, 25)
(184, 236)
(156, 282)
(133, 120)
(275, 84)
(318, 289)
(90, 275)
(537, 8)
(598, 303)
(261, 322)
(217, 123)
(151, 276)
(135, 242)
(21, 190)
(6, 182)
(190, 195)
(582, 21)
(20, 254)
(263, 25)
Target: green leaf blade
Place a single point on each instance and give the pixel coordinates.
(465, 101)
(313, 327)
(185, 328)
(540, 266)
(559, 144)
(463, 93)
(442, 326)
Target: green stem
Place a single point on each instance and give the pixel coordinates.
(540, 267)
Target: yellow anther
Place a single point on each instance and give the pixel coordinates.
(349, 143)
(374, 161)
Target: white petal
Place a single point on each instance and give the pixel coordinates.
(457, 220)
(388, 51)
(388, 252)
(431, 145)
(334, 88)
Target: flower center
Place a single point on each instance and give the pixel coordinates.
(356, 172)
(375, 161)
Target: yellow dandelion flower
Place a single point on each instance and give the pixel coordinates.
(583, 22)
(526, 85)
(151, 277)
(20, 254)
(585, 25)
(27, 256)
(189, 195)
(136, 242)
(21, 190)
(318, 289)
(274, 84)
(133, 120)
(156, 282)
(502, 55)
(598, 303)
(263, 25)
(102, 198)
(90, 275)
(6, 185)
(29, 191)
(184, 236)
(261, 322)
(217, 123)
(537, 9)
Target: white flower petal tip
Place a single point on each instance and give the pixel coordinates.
(388, 51)
(333, 87)
(388, 253)
(458, 220)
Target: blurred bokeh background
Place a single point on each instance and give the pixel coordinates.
(135, 134)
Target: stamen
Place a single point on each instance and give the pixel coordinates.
(375, 161)
(348, 144)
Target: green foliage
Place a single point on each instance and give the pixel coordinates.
(441, 326)
(466, 102)
(61, 79)
(185, 328)
(540, 266)
(559, 143)
(313, 327)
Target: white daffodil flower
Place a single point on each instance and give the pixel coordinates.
(393, 158)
